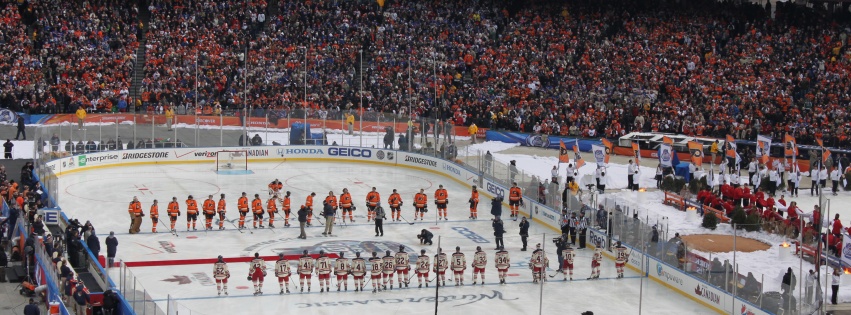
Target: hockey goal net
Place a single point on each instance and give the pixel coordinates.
(231, 160)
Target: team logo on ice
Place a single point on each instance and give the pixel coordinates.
(346, 246)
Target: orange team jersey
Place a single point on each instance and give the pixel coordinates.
(173, 208)
(394, 200)
(257, 205)
(135, 208)
(191, 206)
(331, 200)
(222, 205)
(209, 206)
(155, 211)
(514, 194)
(242, 204)
(346, 200)
(475, 196)
(275, 186)
(420, 199)
(309, 202)
(373, 198)
(286, 204)
(440, 195)
(271, 205)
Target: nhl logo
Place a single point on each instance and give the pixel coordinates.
(389, 156)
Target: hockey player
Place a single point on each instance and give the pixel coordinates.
(395, 202)
(305, 270)
(621, 257)
(136, 214)
(595, 263)
(441, 199)
(221, 274)
(346, 205)
(221, 209)
(323, 270)
(503, 261)
(422, 268)
(375, 275)
(538, 263)
(342, 268)
(373, 198)
(257, 209)
(459, 264)
(474, 204)
(480, 260)
(403, 266)
(275, 188)
(173, 212)
(567, 255)
(242, 207)
(420, 204)
(308, 203)
(358, 271)
(440, 266)
(209, 208)
(515, 198)
(282, 271)
(191, 213)
(256, 273)
(388, 267)
(272, 208)
(285, 204)
(155, 216)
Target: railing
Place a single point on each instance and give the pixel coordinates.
(138, 298)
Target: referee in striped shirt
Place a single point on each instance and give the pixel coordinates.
(582, 225)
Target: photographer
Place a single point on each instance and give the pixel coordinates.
(524, 232)
(498, 231)
(496, 207)
(561, 244)
(425, 237)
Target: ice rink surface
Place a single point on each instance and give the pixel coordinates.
(102, 196)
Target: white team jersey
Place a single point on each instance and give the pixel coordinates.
(257, 264)
(539, 259)
(502, 260)
(282, 268)
(480, 259)
(598, 256)
(342, 266)
(376, 265)
(423, 264)
(621, 255)
(358, 267)
(568, 254)
(459, 262)
(323, 265)
(305, 265)
(220, 271)
(403, 262)
(440, 263)
(388, 264)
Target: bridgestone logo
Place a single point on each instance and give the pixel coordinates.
(420, 161)
(146, 155)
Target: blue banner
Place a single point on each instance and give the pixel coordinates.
(536, 140)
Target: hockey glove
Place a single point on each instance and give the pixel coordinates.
(521, 201)
(447, 201)
(248, 278)
(435, 202)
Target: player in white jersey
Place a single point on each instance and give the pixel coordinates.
(256, 273)
(458, 265)
(221, 274)
(305, 270)
(403, 266)
(538, 263)
(282, 271)
(375, 274)
(595, 262)
(621, 257)
(480, 261)
(568, 255)
(422, 268)
(388, 267)
(323, 269)
(502, 263)
(440, 266)
(358, 270)
(342, 268)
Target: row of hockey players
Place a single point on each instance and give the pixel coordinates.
(382, 269)
(210, 208)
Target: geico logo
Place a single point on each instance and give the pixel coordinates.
(354, 152)
(303, 151)
(476, 238)
(496, 190)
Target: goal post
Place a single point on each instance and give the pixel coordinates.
(232, 160)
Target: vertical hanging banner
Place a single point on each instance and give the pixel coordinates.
(636, 153)
(696, 150)
(609, 147)
(666, 152)
(763, 150)
(576, 156)
(562, 152)
(790, 146)
(599, 154)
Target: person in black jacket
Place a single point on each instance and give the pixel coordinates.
(498, 231)
(496, 207)
(32, 308)
(4, 261)
(524, 232)
(425, 237)
(789, 282)
(111, 248)
(302, 221)
(329, 213)
(109, 302)
(94, 244)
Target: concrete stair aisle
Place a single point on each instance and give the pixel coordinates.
(144, 18)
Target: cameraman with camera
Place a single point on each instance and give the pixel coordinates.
(561, 244)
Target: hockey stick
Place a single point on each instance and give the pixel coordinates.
(406, 220)
(165, 227)
(235, 227)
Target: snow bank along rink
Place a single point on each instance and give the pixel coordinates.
(99, 186)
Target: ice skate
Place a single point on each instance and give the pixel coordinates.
(282, 291)
(322, 290)
(421, 285)
(288, 291)
(426, 284)
(271, 226)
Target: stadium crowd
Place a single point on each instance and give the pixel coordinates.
(585, 68)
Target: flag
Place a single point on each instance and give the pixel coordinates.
(763, 151)
(696, 150)
(730, 146)
(562, 152)
(825, 156)
(820, 143)
(599, 154)
(667, 140)
(790, 148)
(577, 158)
(608, 146)
(665, 154)
(636, 153)
(760, 156)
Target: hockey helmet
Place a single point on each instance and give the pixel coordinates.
(341, 254)
(478, 248)
(457, 248)
(220, 258)
(387, 253)
(357, 254)
(374, 254)
(190, 196)
(281, 255)
(223, 196)
(401, 248)
(288, 192)
(305, 252)
(256, 255)
(538, 245)
(422, 251)
(321, 253)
